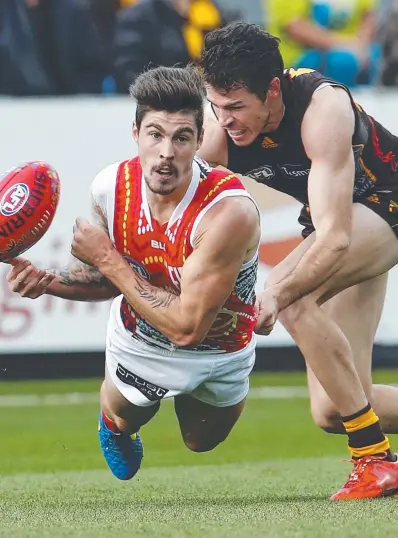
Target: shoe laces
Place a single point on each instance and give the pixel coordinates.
(360, 466)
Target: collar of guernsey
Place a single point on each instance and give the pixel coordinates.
(183, 204)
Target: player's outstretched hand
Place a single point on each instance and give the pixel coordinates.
(267, 312)
(24, 278)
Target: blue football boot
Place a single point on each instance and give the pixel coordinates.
(123, 452)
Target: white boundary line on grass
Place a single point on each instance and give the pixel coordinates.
(79, 398)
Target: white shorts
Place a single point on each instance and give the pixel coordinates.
(145, 374)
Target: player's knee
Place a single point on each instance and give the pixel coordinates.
(203, 444)
(293, 314)
(327, 419)
(200, 445)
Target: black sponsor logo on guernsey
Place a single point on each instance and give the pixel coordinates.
(149, 390)
(294, 171)
(29, 207)
(263, 173)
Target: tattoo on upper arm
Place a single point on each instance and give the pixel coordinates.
(82, 274)
(155, 296)
(198, 238)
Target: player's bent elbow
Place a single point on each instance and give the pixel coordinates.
(189, 330)
(187, 336)
(186, 339)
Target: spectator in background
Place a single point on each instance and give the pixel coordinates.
(103, 17)
(67, 45)
(161, 32)
(389, 41)
(52, 47)
(21, 71)
(335, 37)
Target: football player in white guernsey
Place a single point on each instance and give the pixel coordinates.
(184, 331)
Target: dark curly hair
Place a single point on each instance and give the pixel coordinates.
(169, 89)
(241, 55)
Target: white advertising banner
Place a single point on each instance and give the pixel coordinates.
(79, 136)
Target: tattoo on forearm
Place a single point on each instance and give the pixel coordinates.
(155, 296)
(82, 274)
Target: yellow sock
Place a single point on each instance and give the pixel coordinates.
(365, 436)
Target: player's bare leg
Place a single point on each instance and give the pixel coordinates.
(128, 417)
(357, 312)
(119, 423)
(205, 426)
(373, 251)
(368, 299)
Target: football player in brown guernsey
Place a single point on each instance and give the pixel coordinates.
(302, 133)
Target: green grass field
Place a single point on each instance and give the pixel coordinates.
(271, 478)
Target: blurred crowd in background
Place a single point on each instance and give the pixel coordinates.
(67, 47)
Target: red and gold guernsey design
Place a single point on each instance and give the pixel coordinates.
(158, 252)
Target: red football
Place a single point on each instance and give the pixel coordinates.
(29, 197)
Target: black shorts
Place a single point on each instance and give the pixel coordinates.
(384, 203)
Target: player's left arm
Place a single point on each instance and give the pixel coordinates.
(226, 236)
(327, 131)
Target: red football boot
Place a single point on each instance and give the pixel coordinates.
(372, 476)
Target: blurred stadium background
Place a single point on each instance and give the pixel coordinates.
(65, 67)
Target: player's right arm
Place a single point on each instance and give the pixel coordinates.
(214, 148)
(227, 236)
(77, 281)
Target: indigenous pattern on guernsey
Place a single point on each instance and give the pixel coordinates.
(158, 252)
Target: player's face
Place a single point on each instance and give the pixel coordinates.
(167, 143)
(242, 114)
